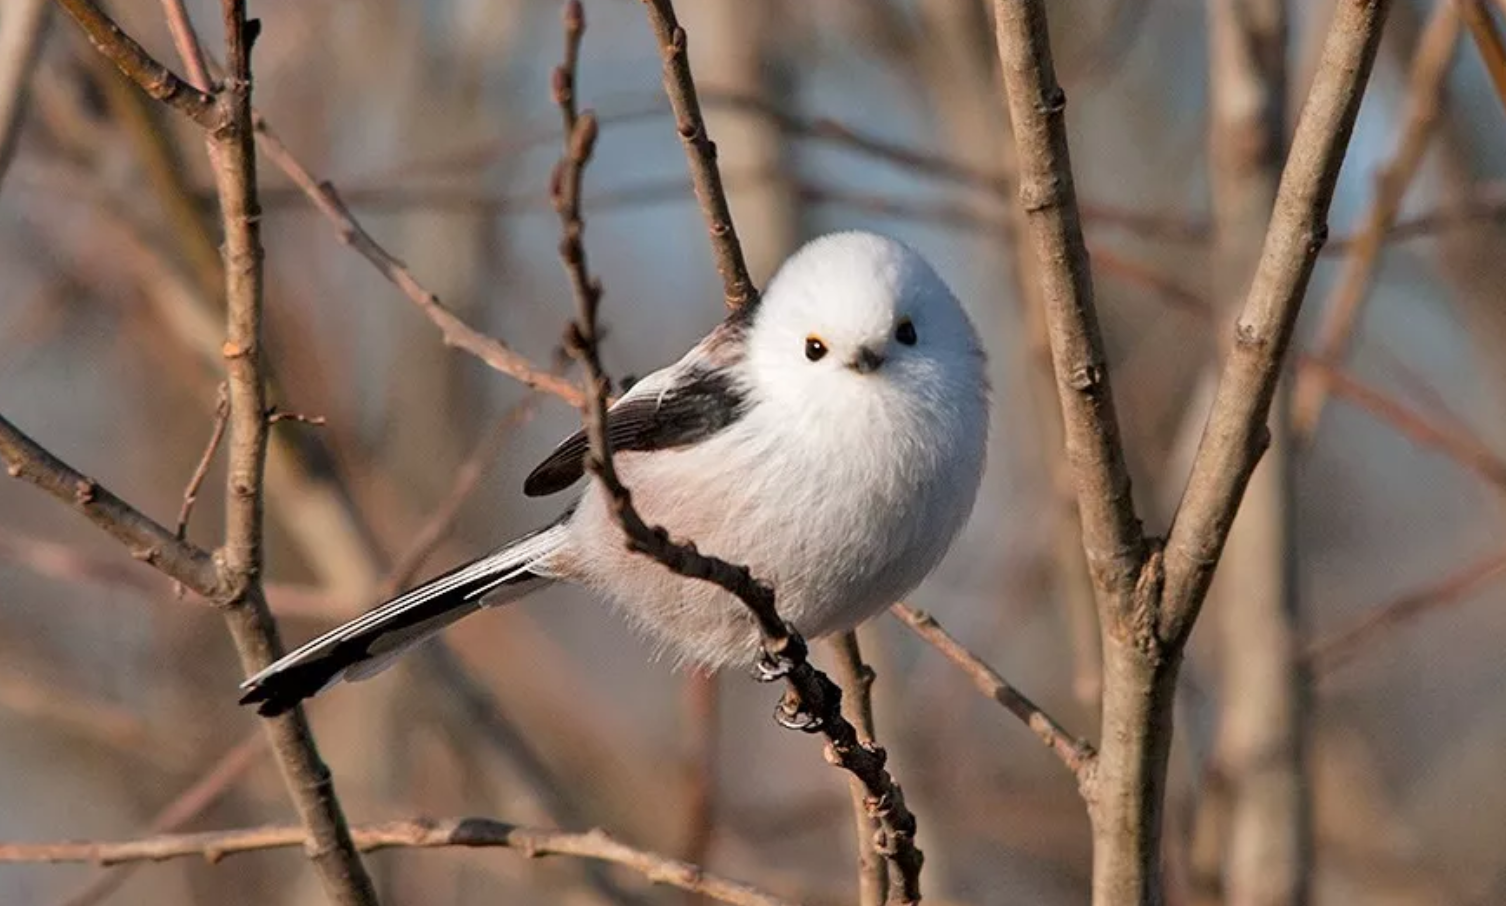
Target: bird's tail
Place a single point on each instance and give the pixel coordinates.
(370, 643)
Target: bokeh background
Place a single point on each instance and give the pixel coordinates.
(435, 121)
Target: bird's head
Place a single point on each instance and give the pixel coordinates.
(852, 313)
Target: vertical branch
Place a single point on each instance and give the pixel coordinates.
(700, 152)
(1424, 106)
(22, 31)
(856, 678)
(1258, 756)
(241, 562)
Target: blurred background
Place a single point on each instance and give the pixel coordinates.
(117, 697)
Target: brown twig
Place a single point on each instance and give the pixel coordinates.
(1077, 754)
(700, 730)
(1339, 647)
(1427, 82)
(700, 152)
(232, 155)
(23, 31)
(139, 66)
(414, 833)
(201, 471)
(813, 699)
(199, 796)
(1461, 446)
(855, 678)
(148, 541)
(1487, 37)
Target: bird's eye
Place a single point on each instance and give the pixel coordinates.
(814, 348)
(905, 332)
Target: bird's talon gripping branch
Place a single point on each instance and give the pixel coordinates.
(792, 714)
(771, 668)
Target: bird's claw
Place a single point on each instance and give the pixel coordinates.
(769, 668)
(792, 714)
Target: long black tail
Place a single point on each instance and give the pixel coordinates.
(370, 643)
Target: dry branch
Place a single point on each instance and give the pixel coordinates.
(1425, 90)
(414, 833)
(1077, 754)
(855, 678)
(700, 152)
(23, 30)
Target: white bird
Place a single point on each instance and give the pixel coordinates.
(830, 437)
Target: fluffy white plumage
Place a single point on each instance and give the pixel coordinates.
(832, 439)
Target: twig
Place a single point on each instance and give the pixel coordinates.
(1462, 447)
(1077, 754)
(201, 471)
(414, 833)
(1236, 431)
(232, 155)
(855, 678)
(1487, 37)
(1339, 647)
(139, 66)
(1427, 82)
(700, 152)
(813, 700)
(453, 330)
(23, 30)
(148, 541)
(199, 796)
(1112, 538)
(700, 730)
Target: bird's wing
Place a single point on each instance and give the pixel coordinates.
(675, 407)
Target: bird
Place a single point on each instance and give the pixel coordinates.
(830, 436)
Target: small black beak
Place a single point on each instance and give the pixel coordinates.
(867, 361)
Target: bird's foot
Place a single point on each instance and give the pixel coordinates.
(793, 715)
(769, 668)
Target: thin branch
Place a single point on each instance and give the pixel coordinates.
(813, 701)
(1425, 91)
(700, 732)
(201, 471)
(1077, 754)
(155, 79)
(232, 155)
(1112, 538)
(1461, 446)
(855, 678)
(23, 30)
(700, 152)
(147, 540)
(1339, 647)
(186, 41)
(188, 805)
(1487, 37)
(414, 833)
(453, 330)
(1236, 432)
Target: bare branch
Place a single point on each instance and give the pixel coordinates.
(855, 678)
(1487, 37)
(23, 30)
(1428, 79)
(1112, 537)
(147, 540)
(1236, 433)
(201, 471)
(139, 66)
(1339, 647)
(700, 152)
(1077, 754)
(414, 833)
(232, 155)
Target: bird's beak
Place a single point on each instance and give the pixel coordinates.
(867, 361)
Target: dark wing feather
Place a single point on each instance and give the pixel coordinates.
(700, 403)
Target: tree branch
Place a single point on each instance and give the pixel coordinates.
(413, 833)
(147, 540)
(1112, 537)
(1236, 432)
(855, 678)
(1077, 754)
(139, 66)
(700, 153)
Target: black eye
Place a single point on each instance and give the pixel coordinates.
(905, 332)
(814, 348)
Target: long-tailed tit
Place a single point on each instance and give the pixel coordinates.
(830, 437)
